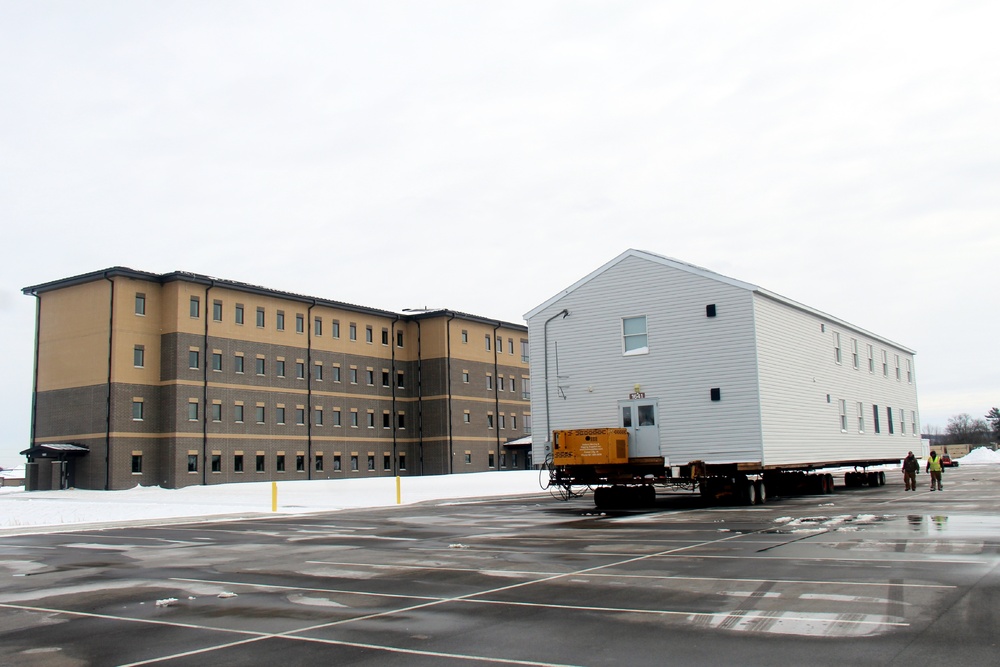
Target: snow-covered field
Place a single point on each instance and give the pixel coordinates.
(19, 508)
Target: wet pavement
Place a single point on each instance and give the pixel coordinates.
(865, 576)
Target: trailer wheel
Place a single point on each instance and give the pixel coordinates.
(648, 496)
(759, 488)
(881, 478)
(601, 497)
(829, 482)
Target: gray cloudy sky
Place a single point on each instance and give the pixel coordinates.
(483, 156)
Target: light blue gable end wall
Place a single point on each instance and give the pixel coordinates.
(773, 361)
(689, 354)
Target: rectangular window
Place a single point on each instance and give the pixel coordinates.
(136, 464)
(336, 463)
(370, 377)
(279, 368)
(370, 419)
(385, 336)
(468, 457)
(491, 461)
(139, 356)
(140, 304)
(216, 462)
(259, 414)
(371, 462)
(238, 363)
(217, 412)
(237, 463)
(238, 311)
(195, 307)
(279, 414)
(300, 463)
(259, 365)
(300, 370)
(335, 370)
(399, 339)
(238, 413)
(909, 372)
(634, 339)
(488, 342)
(369, 336)
(280, 463)
(401, 420)
(855, 358)
(352, 331)
(318, 372)
(260, 318)
(527, 424)
(385, 378)
(194, 360)
(354, 418)
(499, 383)
(279, 321)
(318, 326)
(871, 359)
(489, 383)
(259, 463)
(878, 428)
(513, 422)
(402, 461)
(861, 417)
(913, 422)
(465, 377)
(354, 376)
(216, 361)
(386, 419)
(193, 412)
(510, 346)
(499, 344)
(502, 421)
(899, 372)
(318, 413)
(335, 326)
(836, 346)
(489, 421)
(843, 415)
(192, 463)
(465, 336)
(300, 323)
(319, 463)
(902, 422)
(336, 417)
(217, 311)
(885, 363)
(300, 416)
(525, 357)
(354, 462)
(400, 380)
(888, 419)
(386, 462)
(526, 389)
(137, 407)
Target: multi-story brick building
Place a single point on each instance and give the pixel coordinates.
(181, 379)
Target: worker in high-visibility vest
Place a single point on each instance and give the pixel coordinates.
(934, 468)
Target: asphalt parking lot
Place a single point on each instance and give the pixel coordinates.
(863, 577)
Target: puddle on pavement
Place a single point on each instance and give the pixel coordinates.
(958, 525)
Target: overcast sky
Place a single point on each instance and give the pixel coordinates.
(483, 156)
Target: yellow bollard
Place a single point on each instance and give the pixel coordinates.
(274, 496)
(399, 497)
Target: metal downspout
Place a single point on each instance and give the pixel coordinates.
(204, 391)
(107, 434)
(496, 391)
(545, 343)
(309, 404)
(34, 376)
(392, 384)
(451, 444)
(420, 399)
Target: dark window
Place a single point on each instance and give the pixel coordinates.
(399, 339)
(238, 463)
(137, 410)
(192, 463)
(399, 380)
(195, 307)
(216, 463)
(238, 364)
(386, 462)
(401, 420)
(139, 356)
(239, 313)
(318, 326)
(354, 462)
(385, 378)
(300, 462)
(371, 462)
(259, 412)
(140, 305)
(385, 336)
(280, 368)
(875, 414)
(319, 463)
(193, 359)
(217, 311)
(260, 366)
(280, 320)
(336, 463)
(492, 462)
(260, 317)
(402, 461)
(260, 463)
(216, 361)
(385, 420)
(888, 419)
(281, 463)
(137, 463)
(300, 370)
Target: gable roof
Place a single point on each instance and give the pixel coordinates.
(707, 273)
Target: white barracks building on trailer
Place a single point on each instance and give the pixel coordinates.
(701, 367)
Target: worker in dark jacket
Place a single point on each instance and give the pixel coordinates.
(934, 468)
(910, 469)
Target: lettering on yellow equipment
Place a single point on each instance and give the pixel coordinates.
(590, 446)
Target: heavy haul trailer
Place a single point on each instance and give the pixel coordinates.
(598, 459)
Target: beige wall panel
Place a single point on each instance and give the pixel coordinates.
(73, 343)
(132, 329)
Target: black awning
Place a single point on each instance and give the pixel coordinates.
(55, 450)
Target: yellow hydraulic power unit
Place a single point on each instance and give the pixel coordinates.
(590, 446)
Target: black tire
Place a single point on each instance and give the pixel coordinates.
(829, 482)
(761, 490)
(881, 478)
(602, 497)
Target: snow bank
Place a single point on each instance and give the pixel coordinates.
(20, 508)
(980, 456)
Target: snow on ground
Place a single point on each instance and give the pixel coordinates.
(980, 456)
(20, 508)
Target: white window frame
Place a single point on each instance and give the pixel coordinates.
(638, 349)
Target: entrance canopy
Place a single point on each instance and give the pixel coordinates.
(520, 442)
(55, 450)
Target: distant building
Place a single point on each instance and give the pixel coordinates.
(181, 379)
(723, 371)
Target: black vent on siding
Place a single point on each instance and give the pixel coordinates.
(710, 310)
(716, 394)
